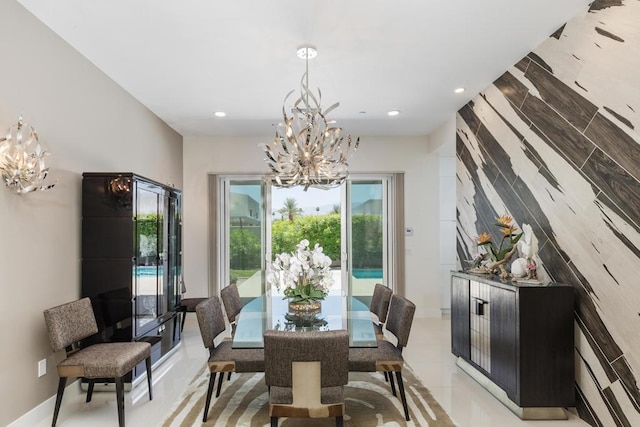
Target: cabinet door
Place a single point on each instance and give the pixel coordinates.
(460, 344)
(174, 252)
(503, 340)
(147, 266)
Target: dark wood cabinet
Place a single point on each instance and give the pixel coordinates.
(518, 336)
(132, 259)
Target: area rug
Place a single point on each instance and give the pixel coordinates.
(369, 402)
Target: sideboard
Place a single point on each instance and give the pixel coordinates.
(517, 341)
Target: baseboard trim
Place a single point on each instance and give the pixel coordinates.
(45, 410)
(529, 413)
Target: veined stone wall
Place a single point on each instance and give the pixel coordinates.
(554, 143)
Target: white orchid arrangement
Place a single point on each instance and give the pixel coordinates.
(304, 274)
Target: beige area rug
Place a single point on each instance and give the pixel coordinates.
(369, 402)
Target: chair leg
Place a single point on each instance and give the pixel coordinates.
(339, 421)
(220, 379)
(274, 421)
(61, 385)
(393, 386)
(148, 363)
(120, 400)
(184, 317)
(92, 382)
(229, 376)
(212, 381)
(402, 396)
(175, 327)
(386, 376)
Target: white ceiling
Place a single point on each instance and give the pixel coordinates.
(185, 59)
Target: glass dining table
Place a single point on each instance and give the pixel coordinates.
(271, 311)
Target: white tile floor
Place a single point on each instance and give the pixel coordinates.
(428, 353)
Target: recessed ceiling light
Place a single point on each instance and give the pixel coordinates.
(393, 113)
(219, 114)
(459, 90)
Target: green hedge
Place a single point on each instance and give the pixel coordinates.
(325, 229)
(322, 229)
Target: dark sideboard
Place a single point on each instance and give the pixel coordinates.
(517, 341)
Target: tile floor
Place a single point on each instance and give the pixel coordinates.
(428, 353)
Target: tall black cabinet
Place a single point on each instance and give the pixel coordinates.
(132, 259)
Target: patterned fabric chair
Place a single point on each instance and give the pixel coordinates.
(232, 304)
(387, 357)
(380, 307)
(306, 373)
(222, 357)
(72, 322)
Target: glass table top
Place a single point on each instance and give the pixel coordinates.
(272, 312)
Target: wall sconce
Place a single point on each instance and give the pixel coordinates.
(120, 190)
(22, 159)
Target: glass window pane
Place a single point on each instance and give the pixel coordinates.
(367, 238)
(245, 237)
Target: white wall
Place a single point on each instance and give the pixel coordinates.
(411, 155)
(89, 124)
(443, 141)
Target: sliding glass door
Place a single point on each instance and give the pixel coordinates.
(242, 231)
(367, 244)
(353, 224)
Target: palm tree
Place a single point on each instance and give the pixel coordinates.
(290, 209)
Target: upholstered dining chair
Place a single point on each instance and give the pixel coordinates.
(72, 322)
(380, 307)
(232, 304)
(306, 373)
(387, 357)
(222, 357)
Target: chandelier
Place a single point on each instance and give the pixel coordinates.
(22, 159)
(307, 151)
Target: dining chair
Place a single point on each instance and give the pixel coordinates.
(188, 305)
(306, 373)
(70, 323)
(232, 304)
(387, 357)
(380, 307)
(222, 357)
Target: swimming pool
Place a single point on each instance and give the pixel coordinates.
(367, 273)
(148, 270)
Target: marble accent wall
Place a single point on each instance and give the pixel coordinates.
(554, 142)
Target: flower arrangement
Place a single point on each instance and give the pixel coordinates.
(509, 235)
(502, 252)
(304, 274)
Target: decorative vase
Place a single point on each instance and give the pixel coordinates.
(519, 267)
(307, 307)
